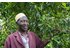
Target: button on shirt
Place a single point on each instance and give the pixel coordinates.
(25, 41)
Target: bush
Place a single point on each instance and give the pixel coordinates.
(45, 19)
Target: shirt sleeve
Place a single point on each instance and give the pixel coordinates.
(7, 43)
(40, 43)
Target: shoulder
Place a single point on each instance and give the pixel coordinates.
(12, 35)
(30, 32)
(33, 33)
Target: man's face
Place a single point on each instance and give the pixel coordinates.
(23, 23)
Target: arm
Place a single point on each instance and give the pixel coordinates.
(40, 43)
(45, 42)
(7, 43)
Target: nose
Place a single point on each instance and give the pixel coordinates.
(25, 22)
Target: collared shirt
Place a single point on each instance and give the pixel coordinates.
(25, 41)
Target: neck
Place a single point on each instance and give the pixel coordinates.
(22, 32)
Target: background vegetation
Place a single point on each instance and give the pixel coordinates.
(45, 19)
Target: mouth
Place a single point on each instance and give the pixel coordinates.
(24, 27)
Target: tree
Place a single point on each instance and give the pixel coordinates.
(45, 19)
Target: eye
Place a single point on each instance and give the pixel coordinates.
(26, 20)
(21, 21)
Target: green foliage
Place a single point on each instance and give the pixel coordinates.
(45, 19)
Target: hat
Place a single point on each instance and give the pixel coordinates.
(18, 16)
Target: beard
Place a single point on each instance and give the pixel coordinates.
(23, 28)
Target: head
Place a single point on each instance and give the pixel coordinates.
(22, 22)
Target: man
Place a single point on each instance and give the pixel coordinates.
(23, 38)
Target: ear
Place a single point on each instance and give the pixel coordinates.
(17, 23)
(28, 23)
